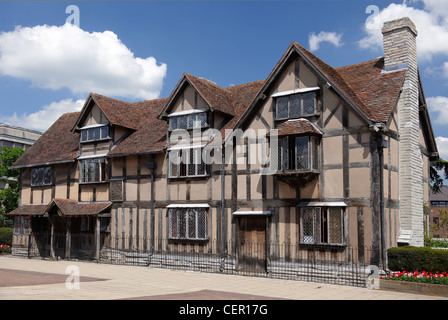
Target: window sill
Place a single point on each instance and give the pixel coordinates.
(323, 245)
(188, 240)
(42, 185)
(93, 182)
(189, 177)
(314, 115)
(296, 172)
(189, 129)
(98, 140)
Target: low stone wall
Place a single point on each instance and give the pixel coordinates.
(414, 287)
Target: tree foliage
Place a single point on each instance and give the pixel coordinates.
(438, 167)
(9, 197)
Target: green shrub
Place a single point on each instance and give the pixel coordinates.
(438, 243)
(6, 236)
(417, 259)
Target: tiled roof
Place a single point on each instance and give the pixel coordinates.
(218, 98)
(68, 207)
(372, 93)
(378, 91)
(71, 207)
(297, 126)
(57, 144)
(119, 113)
(151, 132)
(30, 210)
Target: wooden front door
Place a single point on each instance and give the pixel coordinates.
(252, 244)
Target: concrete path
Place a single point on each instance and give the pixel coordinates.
(35, 279)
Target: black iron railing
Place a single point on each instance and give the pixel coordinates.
(342, 265)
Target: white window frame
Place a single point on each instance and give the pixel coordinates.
(189, 119)
(89, 129)
(289, 95)
(179, 215)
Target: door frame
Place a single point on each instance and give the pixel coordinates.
(240, 264)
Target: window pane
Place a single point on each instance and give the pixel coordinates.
(282, 107)
(335, 225)
(192, 121)
(191, 162)
(201, 118)
(38, 176)
(182, 122)
(84, 135)
(191, 223)
(47, 175)
(307, 225)
(200, 165)
(173, 123)
(96, 133)
(89, 134)
(315, 153)
(173, 223)
(173, 163)
(104, 132)
(103, 171)
(294, 106)
(202, 225)
(182, 222)
(308, 102)
(302, 153)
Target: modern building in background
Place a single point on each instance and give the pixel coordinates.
(13, 136)
(439, 204)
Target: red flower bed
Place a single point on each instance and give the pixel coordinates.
(4, 248)
(416, 276)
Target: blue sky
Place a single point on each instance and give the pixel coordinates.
(138, 50)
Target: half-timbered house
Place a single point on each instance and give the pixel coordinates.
(349, 166)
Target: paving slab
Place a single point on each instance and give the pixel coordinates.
(37, 279)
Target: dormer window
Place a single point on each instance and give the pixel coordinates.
(94, 133)
(295, 103)
(188, 120)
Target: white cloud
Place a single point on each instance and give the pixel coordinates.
(431, 24)
(56, 57)
(44, 118)
(323, 36)
(439, 105)
(442, 146)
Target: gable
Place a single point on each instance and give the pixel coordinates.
(94, 116)
(215, 98)
(187, 99)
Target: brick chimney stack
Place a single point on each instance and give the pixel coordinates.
(400, 52)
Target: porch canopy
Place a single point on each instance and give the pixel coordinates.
(59, 210)
(65, 207)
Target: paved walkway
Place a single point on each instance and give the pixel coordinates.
(35, 279)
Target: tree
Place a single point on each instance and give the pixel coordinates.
(9, 197)
(435, 169)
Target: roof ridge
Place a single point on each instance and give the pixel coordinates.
(359, 63)
(109, 98)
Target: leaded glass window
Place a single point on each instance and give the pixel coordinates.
(187, 223)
